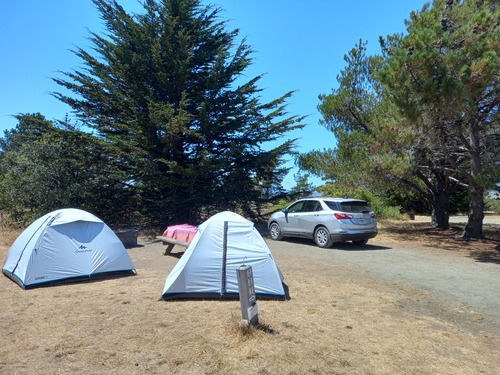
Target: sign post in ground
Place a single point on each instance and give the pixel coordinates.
(248, 301)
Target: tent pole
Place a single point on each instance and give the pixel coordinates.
(224, 259)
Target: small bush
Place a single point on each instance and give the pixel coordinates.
(387, 212)
(492, 205)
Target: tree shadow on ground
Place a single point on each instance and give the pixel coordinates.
(486, 249)
(487, 256)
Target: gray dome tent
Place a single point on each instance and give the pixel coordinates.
(66, 245)
(222, 244)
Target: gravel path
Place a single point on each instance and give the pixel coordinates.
(461, 279)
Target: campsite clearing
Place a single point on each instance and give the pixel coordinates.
(341, 319)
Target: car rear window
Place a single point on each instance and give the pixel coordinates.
(354, 206)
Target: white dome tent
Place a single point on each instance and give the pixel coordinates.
(207, 269)
(64, 246)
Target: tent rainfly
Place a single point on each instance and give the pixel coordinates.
(207, 269)
(64, 246)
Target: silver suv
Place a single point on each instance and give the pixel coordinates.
(326, 220)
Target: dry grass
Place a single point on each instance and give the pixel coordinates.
(8, 235)
(336, 323)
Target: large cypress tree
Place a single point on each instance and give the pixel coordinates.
(165, 90)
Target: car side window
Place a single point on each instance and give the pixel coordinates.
(307, 207)
(311, 206)
(297, 207)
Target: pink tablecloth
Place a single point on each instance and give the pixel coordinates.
(182, 232)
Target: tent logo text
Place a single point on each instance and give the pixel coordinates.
(83, 249)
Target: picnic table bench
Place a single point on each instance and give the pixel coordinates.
(170, 242)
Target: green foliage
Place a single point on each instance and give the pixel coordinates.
(384, 211)
(423, 115)
(409, 201)
(459, 201)
(349, 113)
(372, 139)
(277, 205)
(303, 187)
(44, 167)
(492, 205)
(443, 77)
(165, 91)
(375, 146)
(281, 199)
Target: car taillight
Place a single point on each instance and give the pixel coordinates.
(373, 215)
(342, 216)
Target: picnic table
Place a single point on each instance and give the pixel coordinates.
(181, 235)
(181, 232)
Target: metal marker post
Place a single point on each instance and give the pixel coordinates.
(248, 301)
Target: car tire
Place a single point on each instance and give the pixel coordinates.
(360, 242)
(275, 232)
(322, 237)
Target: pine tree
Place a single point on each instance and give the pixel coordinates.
(166, 92)
(376, 149)
(444, 78)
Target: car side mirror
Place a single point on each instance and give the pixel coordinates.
(285, 211)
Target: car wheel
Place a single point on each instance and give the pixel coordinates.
(322, 237)
(360, 242)
(275, 232)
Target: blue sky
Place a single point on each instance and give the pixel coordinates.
(299, 46)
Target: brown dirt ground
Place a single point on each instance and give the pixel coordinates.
(449, 240)
(337, 322)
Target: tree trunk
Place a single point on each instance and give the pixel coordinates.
(474, 227)
(437, 195)
(440, 216)
(441, 201)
